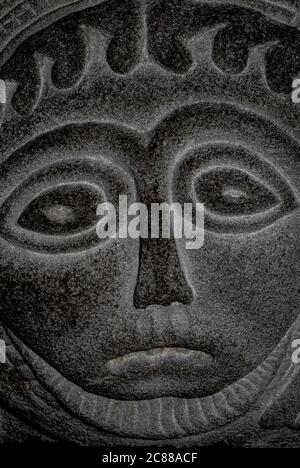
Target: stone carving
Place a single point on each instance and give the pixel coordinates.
(140, 341)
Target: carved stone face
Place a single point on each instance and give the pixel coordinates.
(173, 101)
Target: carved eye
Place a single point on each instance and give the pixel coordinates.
(240, 190)
(237, 201)
(233, 192)
(59, 219)
(54, 210)
(63, 210)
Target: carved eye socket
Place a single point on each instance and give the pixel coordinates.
(60, 219)
(63, 210)
(233, 192)
(241, 191)
(54, 210)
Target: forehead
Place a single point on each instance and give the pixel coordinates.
(199, 80)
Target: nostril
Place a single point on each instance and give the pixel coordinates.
(161, 279)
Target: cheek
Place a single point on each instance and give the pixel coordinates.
(63, 294)
(250, 279)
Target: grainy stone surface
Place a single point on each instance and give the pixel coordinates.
(162, 101)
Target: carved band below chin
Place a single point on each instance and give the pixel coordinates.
(169, 418)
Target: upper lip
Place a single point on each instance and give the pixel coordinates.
(159, 338)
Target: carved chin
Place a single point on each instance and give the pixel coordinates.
(159, 418)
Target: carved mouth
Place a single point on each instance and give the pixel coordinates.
(159, 360)
(158, 418)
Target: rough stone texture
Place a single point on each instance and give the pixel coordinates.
(160, 100)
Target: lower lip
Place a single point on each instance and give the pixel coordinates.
(159, 360)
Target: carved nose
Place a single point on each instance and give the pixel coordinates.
(161, 280)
